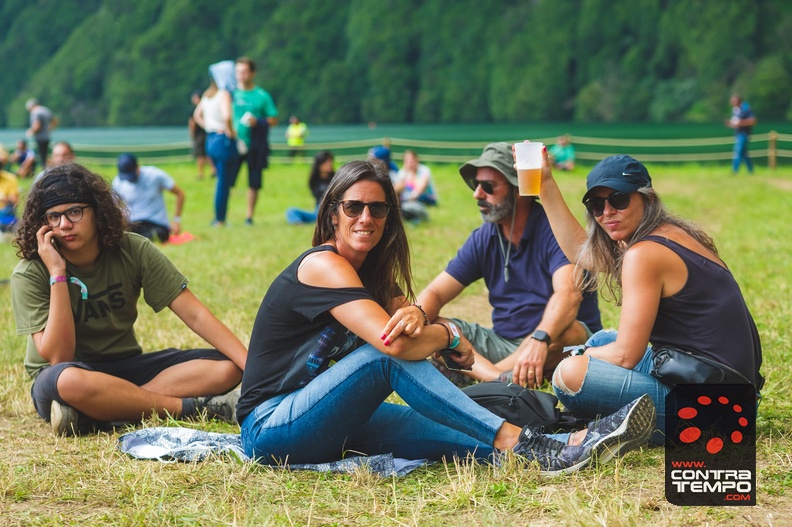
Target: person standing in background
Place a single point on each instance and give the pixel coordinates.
(296, 134)
(742, 121)
(213, 114)
(198, 136)
(254, 113)
(42, 122)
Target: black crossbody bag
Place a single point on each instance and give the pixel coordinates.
(674, 366)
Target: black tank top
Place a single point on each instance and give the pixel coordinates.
(295, 337)
(708, 315)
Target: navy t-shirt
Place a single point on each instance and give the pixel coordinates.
(518, 306)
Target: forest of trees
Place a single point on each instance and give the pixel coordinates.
(105, 62)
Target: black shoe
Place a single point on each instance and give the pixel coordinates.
(627, 429)
(554, 457)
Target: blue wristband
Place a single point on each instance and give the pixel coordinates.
(455, 333)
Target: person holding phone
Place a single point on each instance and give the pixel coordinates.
(347, 301)
(75, 293)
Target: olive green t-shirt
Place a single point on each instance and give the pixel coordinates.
(104, 322)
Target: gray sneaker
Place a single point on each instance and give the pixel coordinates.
(221, 407)
(554, 457)
(627, 429)
(66, 421)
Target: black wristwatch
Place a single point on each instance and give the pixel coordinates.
(541, 336)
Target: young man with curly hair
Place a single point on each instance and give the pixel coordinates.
(75, 294)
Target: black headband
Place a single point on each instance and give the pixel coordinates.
(57, 191)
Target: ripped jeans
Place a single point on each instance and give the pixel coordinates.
(607, 387)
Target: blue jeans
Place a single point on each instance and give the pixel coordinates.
(343, 411)
(222, 150)
(741, 153)
(296, 216)
(607, 387)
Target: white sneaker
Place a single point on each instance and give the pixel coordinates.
(66, 421)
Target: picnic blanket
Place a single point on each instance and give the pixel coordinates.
(172, 444)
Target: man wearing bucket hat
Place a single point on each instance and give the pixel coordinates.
(536, 310)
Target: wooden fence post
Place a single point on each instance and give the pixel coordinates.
(771, 150)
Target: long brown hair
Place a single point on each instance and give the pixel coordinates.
(601, 255)
(108, 208)
(386, 268)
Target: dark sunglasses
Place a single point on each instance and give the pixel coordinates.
(354, 208)
(487, 186)
(617, 200)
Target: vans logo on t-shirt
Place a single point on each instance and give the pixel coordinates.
(99, 305)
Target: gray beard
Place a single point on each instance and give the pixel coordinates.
(500, 212)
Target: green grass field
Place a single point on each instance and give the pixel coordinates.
(46, 480)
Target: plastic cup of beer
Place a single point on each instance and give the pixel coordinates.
(529, 167)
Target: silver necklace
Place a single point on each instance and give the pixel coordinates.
(506, 252)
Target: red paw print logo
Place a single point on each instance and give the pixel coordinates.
(693, 433)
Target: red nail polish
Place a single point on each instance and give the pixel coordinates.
(387, 342)
(382, 337)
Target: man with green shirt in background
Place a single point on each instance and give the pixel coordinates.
(254, 113)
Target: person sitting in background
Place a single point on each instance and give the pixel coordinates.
(346, 301)
(322, 172)
(383, 153)
(562, 154)
(141, 188)
(9, 194)
(62, 153)
(667, 276)
(414, 188)
(75, 295)
(24, 159)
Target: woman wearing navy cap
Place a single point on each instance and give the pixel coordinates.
(665, 273)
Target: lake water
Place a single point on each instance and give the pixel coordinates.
(438, 132)
(172, 143)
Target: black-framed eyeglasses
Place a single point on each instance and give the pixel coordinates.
(354, 208)
(73, 214)
(617, 200)
(487, 186)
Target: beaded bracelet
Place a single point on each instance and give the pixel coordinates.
(426, 318)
